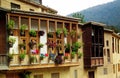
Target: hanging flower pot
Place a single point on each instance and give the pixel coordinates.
(41, 33)
(22, 33)
(22, 29)
(10, 32)
(11, 41)
(10, 27)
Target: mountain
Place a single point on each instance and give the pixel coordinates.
(108, 13)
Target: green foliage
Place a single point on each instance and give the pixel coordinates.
(50, 35)
(79, 15)
(21, 45)
(76, 46)
(40, 45)
(67, 47)
(72, 33)
(65, 31)
(23, 27)
(22, 56)
(42, 56)
(72, 55)
(79, 54)
(32, 59)
(58, 31)
(116, 29)
(10, 56)
(11, 40)
(33, 33)
(11, 24)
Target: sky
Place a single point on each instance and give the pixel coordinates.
(65, 7)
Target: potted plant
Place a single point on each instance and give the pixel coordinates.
(42, 56)
(72, 55)
(76, 46)
(58, 60)
(79, 55)
(22, 29)
(72, 33)
(11, 25)
(40, 45)
(58, 32)
(32, 59)
(67, 48)
(65, 32)
(32, 33)
(50, 35)
(10, 57)
(22, 45)
(11, 41)
(66, 56)
(22, 56)
(41, 33)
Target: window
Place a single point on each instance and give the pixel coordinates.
(55, 75)
(105, 71)
(38, 76)
(15, 6)
(113, 68)
(104, 52)
(75, 74)
(113, 44)
(108, 55)
(118, 45)
(119, 67)
(107, 43)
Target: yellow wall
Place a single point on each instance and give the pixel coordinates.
(63, 72)
(24, 6)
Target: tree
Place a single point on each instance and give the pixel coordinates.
(79, 15)
(116, 29)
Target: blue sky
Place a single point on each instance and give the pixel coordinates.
(65, 7)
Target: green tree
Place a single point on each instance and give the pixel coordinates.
(116, 29)
(79, 15)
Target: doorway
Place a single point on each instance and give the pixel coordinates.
(91, 74)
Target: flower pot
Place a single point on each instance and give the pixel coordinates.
(22, 33)
(10, 32)
(41, 33)
(10, 44)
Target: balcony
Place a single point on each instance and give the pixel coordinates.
(37, 62)
(93, 62)
(96, 61)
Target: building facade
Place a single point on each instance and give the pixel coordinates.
(35, 42)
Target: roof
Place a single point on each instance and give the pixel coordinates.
(112, 32)
(108, 30)
(45, 15)
(95, 23)
(38, 5)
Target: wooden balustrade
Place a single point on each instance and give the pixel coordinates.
(96, 61)
(3, 59)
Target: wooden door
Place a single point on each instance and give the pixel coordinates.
(91, 74)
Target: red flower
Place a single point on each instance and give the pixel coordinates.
(46, 55)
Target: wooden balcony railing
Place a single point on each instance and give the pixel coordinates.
(3, 59)
(34, 61)
(97, 61)
(3, 62)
